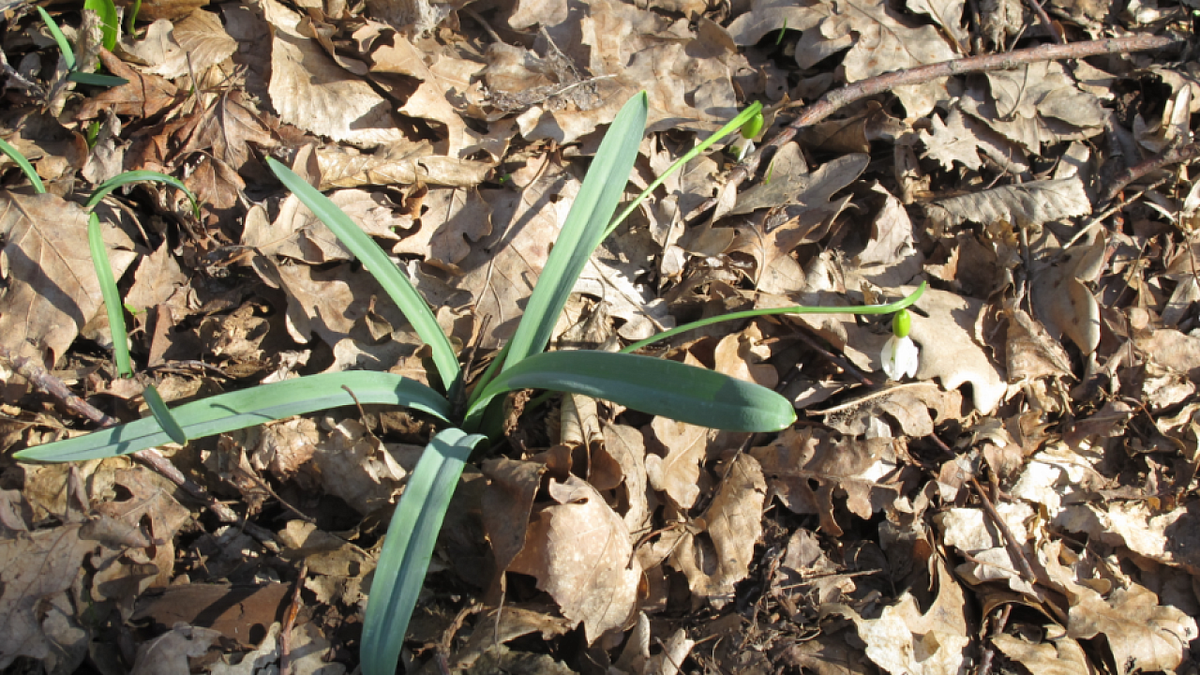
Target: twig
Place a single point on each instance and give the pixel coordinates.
(1097, 220)
(998, 622)
(1175, 155)
(151, 457)
(833, 101)
(1010, 542)
(289, 622)
(1044, 18)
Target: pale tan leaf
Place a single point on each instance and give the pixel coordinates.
(450, 223)
(1142, 634)
(1062, 656)
(1029, 204)
(582, 555)
(400, 163)
(678, 473)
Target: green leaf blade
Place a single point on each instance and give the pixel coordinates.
(393, 281)
(656, 386)
(246, 408)
(112, 296)
(584, 229)
(408, 548)
(162, 414)
(27, 168)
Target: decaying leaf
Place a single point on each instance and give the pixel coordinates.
(1029, 204)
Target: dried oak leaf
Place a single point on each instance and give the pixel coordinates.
(718, 555)
(311, 91)
(800, 457)
(36, 570)
(406, 163)
(1062, 300)
(1060, 656)
(581, 553)
(450, 223)
(194, 44)
(51, 291)
(1030, 204)
(677, 473)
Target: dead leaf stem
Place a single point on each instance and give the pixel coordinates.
(54, 387)
(834, 100)
(1010, 542)
(1174, 155)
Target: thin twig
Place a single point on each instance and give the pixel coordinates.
(998, 622)
(834, 100)
(1044, 18)
(55, 388)
(289, 622)
(1175, 155)
(1010, 542)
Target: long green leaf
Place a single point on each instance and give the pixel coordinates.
(64, 46)
(732, 126)
(393, 281)
(96, 79)
(162, 414)
(246, 408)
(408, 548)
(583, 230)
(109, 24)
(656, 386)
(111, 295)
(768, 311)
(128, 177)
(30, 173)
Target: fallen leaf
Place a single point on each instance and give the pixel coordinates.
(1030, 204)
(582, 555)
(678, 472)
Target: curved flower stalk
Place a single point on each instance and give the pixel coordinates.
(900, 354)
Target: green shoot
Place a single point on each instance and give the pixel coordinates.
(30, 173)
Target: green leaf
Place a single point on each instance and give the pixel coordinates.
(768, 311)
(246, 408)
(128, 177)
(63, 46)
(112, 297)
(162, 414)
(30, 173)
(96, 79)
(656, 386)
(408, 548)
(583, 230)
(109, 23)
(393, 281)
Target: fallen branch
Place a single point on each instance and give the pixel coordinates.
(834, 100)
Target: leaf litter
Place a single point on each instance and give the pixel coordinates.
(1026, 502)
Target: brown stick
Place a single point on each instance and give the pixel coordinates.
(1010, 542)
(834, 100)
(1175, 155)
(151, 457)
(1044, 18)
(289, 622)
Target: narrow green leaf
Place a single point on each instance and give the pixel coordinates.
(96, 79)
(30, 173)
(796, 309)
(733, 125)
(246, 408)
(128, 177)
(583, 230)
(408, 548)
(111, 295)
(393, 281)
(109, 23)
(656, 386)
(63, 46)
(131, 22)
(162, 414)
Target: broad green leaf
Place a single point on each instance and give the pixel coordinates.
(63, 45)
(30, 173)
(393, 281)
(408, 548)
(246, 408)
(109, 23)
(162, 414)
(96, 79)
(112, 297)
(583, 230)
(656, 386)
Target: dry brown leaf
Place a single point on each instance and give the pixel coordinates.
(1061, 656)
(310, 90)
(946, 13)
(169, 653)
(678, 472)
(142, 96)
(890, 258)
(360, 469)
(507, 505)
(909, 405)
(800, 457)
(1030, 351)
(582, 555)
(719, 555)
(739, 355)
(627, 448)
(51, 290)
(1062, 300)
(406, 163)
(1029, 204)
(194, 44)
(1142, 634)
(450, 223)
(1171, 538)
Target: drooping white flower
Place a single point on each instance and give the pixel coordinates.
(900, 357)
(900, 354)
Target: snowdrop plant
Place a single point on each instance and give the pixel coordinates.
(472, 413)
(900, 355)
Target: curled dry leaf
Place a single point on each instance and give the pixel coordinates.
(1029, 204)
(581, 553)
